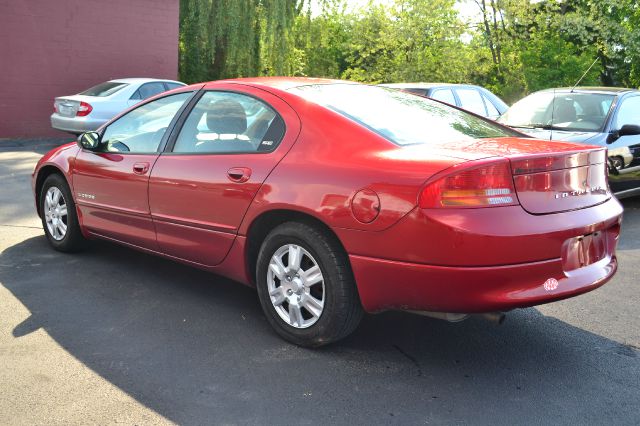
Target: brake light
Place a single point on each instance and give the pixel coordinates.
(84, 109)
(55, 107)
(487, 185)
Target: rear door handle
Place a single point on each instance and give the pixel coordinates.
(239, 174)
(140, 168)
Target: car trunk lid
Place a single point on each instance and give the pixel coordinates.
(67, 107)
(549, 176)
(556, 182)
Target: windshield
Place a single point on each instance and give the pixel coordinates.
(104, 89)
(401, 117)
(585, 112)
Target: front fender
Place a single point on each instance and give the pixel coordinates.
(58, 160)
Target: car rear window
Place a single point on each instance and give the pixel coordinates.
(104, 89)
(172, 86)
(401, 117)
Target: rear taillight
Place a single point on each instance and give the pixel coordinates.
(486, 185)
(84, 109)
(55, 107)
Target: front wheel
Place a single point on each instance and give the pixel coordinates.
(306, 287)
(58, 214)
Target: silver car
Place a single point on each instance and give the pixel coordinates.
(472, 98)
(92, 108)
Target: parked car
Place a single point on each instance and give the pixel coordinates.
(466, 96)
(334, 198)
(604, 116)
(93, 107)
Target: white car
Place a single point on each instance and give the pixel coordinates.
(90, 109)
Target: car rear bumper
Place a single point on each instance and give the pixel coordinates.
(75, 124)
(385, 284)
(484, 260)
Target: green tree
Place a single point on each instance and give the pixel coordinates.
(236, 38)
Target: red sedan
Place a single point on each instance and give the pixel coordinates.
(335, 198)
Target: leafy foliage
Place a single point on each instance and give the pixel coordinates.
(511, 47)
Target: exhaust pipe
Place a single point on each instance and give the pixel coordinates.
(495, 317)
(447, 316)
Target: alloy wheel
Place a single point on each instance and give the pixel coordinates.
(55, 213)
(296, 286)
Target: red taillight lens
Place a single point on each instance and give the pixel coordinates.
(487, 185)
(55, 107)
(84, 109)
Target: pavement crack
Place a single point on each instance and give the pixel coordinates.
(411, 358)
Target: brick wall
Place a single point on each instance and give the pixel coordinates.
(51, 48)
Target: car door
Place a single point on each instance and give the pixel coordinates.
(626, 148)
(202, 185)
(111, 183)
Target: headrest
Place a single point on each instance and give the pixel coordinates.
(565, 111)
(227, 117)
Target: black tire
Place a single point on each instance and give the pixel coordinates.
(73, 240)
(342, 310)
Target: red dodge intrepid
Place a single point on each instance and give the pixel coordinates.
(335, 198)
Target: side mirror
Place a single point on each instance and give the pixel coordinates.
(89, 140)
(629, 130)
(626, 130)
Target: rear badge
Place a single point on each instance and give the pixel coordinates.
(551, 284)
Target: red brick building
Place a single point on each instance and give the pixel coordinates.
(50, 48)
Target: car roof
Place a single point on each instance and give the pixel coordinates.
(283, 83)
(592, 89)
(423, 85)
(135, 80)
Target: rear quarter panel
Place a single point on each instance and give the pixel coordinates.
(331, 161)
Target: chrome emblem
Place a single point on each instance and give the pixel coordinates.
(86, 196)
(578, 192)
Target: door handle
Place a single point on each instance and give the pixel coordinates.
(239, 174)
(140, 168)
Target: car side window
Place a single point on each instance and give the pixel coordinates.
(628, 112)
(471, 100)
(492, 111)
(444, 95)
(142, 129)
(171, 86)
(148, 90)
(226, 122)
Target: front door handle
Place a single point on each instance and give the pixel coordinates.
(239, 174)
(140, 168)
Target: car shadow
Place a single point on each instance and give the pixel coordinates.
(196, 348)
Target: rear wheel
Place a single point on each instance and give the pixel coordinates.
(306, 287)
(58, 213)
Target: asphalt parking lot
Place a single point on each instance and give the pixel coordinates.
(116, 336)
